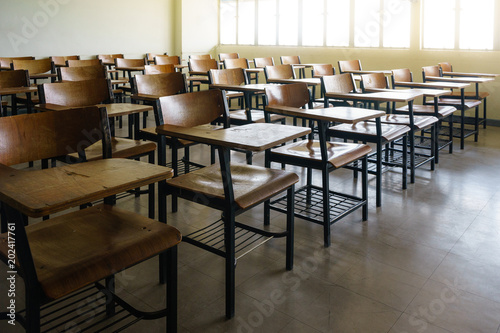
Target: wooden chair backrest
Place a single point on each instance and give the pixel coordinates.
(293, 95)
(224, 56)
(446, 66)
(340, 83)
(430, 71)
(194, 109)
(202, 65)
(37, 66)
(200, 56)
(292, 60)
(163, 84)
(15, 78)
(228, 76)
(83, 63)
(236, 63)
(279, 72)
(374, 80)
(322, 70)
(121, 62)
(167, 60)
(36, 136)
(81, 73)
(61, 61)
(158, 69)
(349, 65)
(76, 93)
(263, 62)
(401, 75)
(152, 56)
(6, 61)
(109, 57)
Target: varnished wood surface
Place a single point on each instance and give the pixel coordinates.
(459, 79)
(113, 109)
(432, 85)
(252, 137)
(346, 115)
(352, 71)
(470, 74)
(259, 87)
(309, 81)
(377, 97)
(425, 92)
(44, 192)
(17, 90)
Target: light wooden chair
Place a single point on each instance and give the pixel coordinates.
(159, 69)
(198, 71)
(60, 61)
(295, 61)
(13, 79)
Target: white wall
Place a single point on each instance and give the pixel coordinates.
(199, 27)
(43, 28)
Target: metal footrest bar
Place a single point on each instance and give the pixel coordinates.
(83, 311)
(445, 131)
(309, 204)
(211, 238)
(183, 166)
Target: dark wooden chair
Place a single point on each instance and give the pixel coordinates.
(159, 69)
(14, 79)
(323, 155)
(150, 57)
(198, 71)
(62, 255)
(200, 57)
(349, 65)
(263, 62)
(5, 62)
(81, 73)
(461, 103)
(230, 188)
(224, 56)
(167, 60)
(60, 61)
(380, 134)
(242, 63)
(37, 69)
(82, 63)
(295, 62)
(279, 72)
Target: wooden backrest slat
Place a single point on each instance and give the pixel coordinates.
(445, 66)
(236, 63)
(228, 76)
(81, 73)
(401, 75)
(323, 69)
(194, 109)
(158, 69)
(164, 84)
(293, 95)
(14, 78)
(374, 80)
(430, 71)
(263, 62)
(76, 93)
(290, 60)
(167, 60)
(82, 63)
(279, 72)
(32, 137)
(61, 60)
(349, 65)
(224, 56)
(37, 66)
(6, 61)
(152, 56)
(120, 62)
(340, 83)
(202, 65)
(200, 57)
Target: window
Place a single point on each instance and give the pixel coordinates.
(288, 22)
(312, 27)
(246, 22)
(472, 18)
(396, 25)
(266, 16)
(337, 25)
(227, 21)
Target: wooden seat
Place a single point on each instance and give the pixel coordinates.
(13, 79)
(66, 253)
(319, 154)
(60, 61)
(232, 193)
(158, 69)
(380, 134)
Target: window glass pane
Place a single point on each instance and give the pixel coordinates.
(228, 22)
(246, 22)
(439, 24)
(337, 22)
(367, 23)
(267, 22)
(476, 24)
(396, 23)
(312, 22)
(288, 22)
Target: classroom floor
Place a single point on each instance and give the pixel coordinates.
(428, 260)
